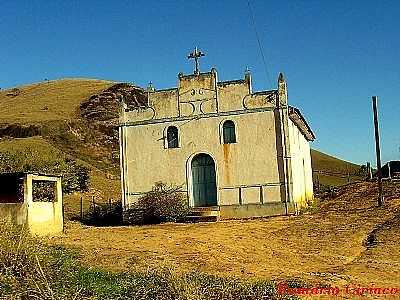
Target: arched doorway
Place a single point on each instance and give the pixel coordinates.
(204, 180)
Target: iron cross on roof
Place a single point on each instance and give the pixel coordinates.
(196, 54)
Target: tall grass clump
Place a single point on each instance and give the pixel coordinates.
(28, 268)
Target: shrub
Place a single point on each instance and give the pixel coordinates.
(164, 203)
(20, 131)
(76, 176)
(44, 191)
(104, 214)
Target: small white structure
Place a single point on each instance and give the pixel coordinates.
(19, 206)
(235, 151)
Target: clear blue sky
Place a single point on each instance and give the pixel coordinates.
(335, 54)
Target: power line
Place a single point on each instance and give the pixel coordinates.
(259, 43)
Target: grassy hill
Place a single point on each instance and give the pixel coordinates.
(76, 118)
(331, 171)
(52, 108)
(324, 162)
(47, 101)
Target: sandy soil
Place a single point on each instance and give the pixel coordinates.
(327, 245)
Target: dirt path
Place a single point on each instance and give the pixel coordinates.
(324, 246)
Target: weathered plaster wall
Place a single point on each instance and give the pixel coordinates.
(15, 213)
(44, 218)
(231, 95)
(254, 175)
(164, 103)
(301, 167)
(247, 168)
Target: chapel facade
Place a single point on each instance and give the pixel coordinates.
(234, 151)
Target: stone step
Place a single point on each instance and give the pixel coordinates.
(204, 213)
(205, 208)
(197, 219)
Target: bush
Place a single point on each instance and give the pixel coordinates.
(104, 214)
(162, 204)
(20, 131)
(44, 191)
(75, 176)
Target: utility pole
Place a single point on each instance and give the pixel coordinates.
(377, 149)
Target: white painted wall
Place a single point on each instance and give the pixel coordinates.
(301, 167)
(250, 163)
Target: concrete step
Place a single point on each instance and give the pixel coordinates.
(203, 214)
(205, 208)
(197, 219)
(205, 211)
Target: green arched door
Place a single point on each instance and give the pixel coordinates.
(204, 180)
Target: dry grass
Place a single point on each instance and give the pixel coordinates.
(47, 101)
(333, 170)
(325, 162)
(35, 143)
(324, 246)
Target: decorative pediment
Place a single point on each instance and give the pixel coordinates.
(198, 94)
(260, 100)
(197, 101)
(140, 114)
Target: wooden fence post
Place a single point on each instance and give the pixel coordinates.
(81, 208)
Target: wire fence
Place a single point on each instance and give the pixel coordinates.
(325, 180)
(93, 211)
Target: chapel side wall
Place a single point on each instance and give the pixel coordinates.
(308, 171)
(301, 167)
(247, 171)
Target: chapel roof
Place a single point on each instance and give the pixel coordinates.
(301, 123)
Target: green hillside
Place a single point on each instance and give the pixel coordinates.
(76, 118)
(332, 171)
(41, 123)
(324, 162)
(47, 101)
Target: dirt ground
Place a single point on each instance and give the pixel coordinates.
(345, 240)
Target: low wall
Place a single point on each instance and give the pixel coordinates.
(45, 218)
(255, 210)
(14, 213)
